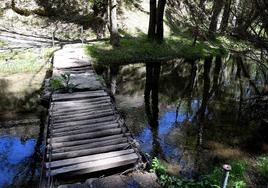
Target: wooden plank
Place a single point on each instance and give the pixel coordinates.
(57, 72)
(83, 152)
(74, 97)
(86, 141)
(85, 117)
(98, 165)
(85, 135)
(90, 146)
(71, 111)
(79, 101)
(84, 64)
(78, 95)
(84, 127)
(90, 100)
(84, 122)
(101, 91)
(76, 67)
(85, 130)
(71, 161)
(80, 107)
(82, 115)
(86, 68)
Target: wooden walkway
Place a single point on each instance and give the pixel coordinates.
(85, 132)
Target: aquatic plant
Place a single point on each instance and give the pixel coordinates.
(62, 82)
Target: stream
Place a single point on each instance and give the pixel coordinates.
(192, 115)
(21, 150)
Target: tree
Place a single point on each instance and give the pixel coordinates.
(156, 25)
(216, 9)
(226, 15)
(114, 36)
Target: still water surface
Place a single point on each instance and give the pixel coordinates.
(20, 153)
(196, 114)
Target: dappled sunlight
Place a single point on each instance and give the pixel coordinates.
(225, 152)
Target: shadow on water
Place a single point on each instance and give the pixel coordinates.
(21, 137)
(21, 154)
(194, 114)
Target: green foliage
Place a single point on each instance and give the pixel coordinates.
(62, 82)
(212, 180)
(136, 50)
(236, 45)
(157, 167)
(262, 166)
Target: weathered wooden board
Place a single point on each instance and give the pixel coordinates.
(82, 115)
(90, 146)
(71, 161)
(84, 122)
(83, 152)
(81, 136)
(80, 95)
(87, 117)
(98, 165)
(85, 129)
(85, 141)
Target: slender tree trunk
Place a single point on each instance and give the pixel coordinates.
(114, 38)
(235, 10)
(202, 5)
(152, 21)
(160, 20)
(226, 15)
(217, 7)
(148, 89)
(155, 89)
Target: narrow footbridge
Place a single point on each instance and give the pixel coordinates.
(85, 133)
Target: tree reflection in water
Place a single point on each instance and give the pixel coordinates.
(201, 104)
(151, 104)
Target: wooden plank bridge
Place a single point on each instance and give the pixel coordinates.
(85, 133)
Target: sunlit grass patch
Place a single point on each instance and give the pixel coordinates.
(2, 43)
(136, 50)
(28, 61)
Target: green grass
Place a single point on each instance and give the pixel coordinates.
(262, 166)
(2, 44)
(237, 176)
(136, 50)
(27, 61)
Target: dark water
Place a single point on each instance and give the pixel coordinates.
(193, 115)
(20, 153)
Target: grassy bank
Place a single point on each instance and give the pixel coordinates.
(241, 175)
(136, 50)
(22, 73)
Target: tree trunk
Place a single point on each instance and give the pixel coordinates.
(160, 20)
(152, 21)
(202, 5)
(217, 7)
(114, 38)
(226, 15)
